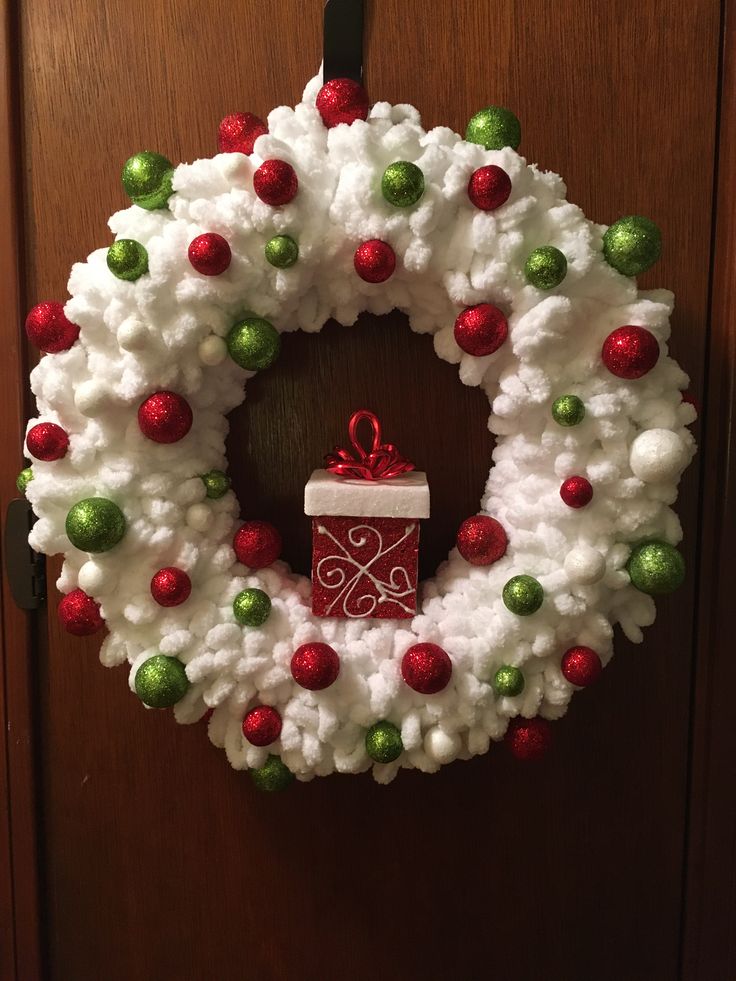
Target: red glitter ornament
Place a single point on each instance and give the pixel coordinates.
(257, 544)
(581, 666)
(315, 666)
(171, 586)
(342, 100)
(275, 182)
(210, 254)
(47, 441)
(630, 352)
(481, 540)
(165, 417)
(262, 725)
(529, 739)
(374, 261)
(489, 187)
(80, 614)
(426, 668)
(48, 328)
(481, 329)
(576, 492)
(238, 132)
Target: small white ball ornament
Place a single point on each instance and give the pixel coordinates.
(132, 334)
(441, 746)
(584, 565)
(90, 397)
(657, 455)
(212, 350)
(199, 517)
(92, 577)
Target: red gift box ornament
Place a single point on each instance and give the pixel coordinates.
(365, 508)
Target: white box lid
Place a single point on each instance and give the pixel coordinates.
(405, 496)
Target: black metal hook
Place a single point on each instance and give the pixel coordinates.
(343, 40)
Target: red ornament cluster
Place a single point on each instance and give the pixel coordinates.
(171, 586)
(209, 254)
(576, 492)
(47, 441)
(481, 330)
(165, 417)
(315, 666)
(257, 544)
(529, 739)
(80, 614)
(275, 182)
(481, 540)
(238, 133)
(426, 668)
(48, 328)
(374, 261)
(630, 352)
(262, 725)
(342, 100)
(489, 187)
(581, 666)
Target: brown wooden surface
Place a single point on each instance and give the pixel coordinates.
(710, 924)
(158, 860)
(20, 952)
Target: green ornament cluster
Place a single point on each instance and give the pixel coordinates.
(23, 479)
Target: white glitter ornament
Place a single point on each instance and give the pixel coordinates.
(658, 455)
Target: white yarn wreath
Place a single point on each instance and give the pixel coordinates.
(166, 330)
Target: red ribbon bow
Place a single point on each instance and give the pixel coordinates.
(381, 462)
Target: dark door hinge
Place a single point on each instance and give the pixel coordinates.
(26, 569)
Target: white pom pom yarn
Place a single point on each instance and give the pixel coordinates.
(166, 330)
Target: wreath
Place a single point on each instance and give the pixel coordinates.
(333, 208)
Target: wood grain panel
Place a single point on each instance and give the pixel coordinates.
(19, 906)
(160, 861)
(710, 937)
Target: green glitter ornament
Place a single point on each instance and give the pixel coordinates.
(216, 483)
(632, 244)
(252, 607)
(568, 410)
(147, 179)
(274, 775)
(23, 479)
(95, 524)
(161, 681)
(281, 251)
(523, 595)
(494, 128)
(656, 568)
(508, 681)
(383, 742)
(402, 184)
(545, 267)
(127, 259)
(254, 343)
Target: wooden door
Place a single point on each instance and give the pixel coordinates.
(136, 853)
